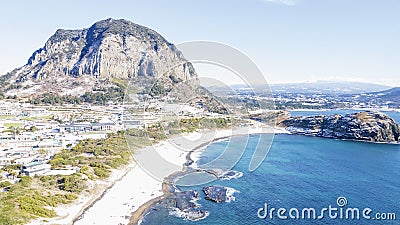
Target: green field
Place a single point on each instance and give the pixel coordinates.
(12, 125)
(37, 118)
(6, 117)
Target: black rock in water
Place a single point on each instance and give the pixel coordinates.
(183, 200)
(216, 193)
(185, 203)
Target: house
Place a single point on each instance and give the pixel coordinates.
(102, 126)
(132, 124)
(35, 168)
(65, 172)
(75, 127)
(4, 160)
(25, 160)
(84, 127)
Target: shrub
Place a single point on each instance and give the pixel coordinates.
(102, 173)
(72, 183)
(25, 181)
(5, 184)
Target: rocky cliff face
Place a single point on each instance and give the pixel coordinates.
(109, 49)
(363, 126)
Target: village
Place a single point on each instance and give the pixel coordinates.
(30, 135)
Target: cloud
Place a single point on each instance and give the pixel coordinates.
(284, 2)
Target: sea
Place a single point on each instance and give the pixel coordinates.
(301, 174)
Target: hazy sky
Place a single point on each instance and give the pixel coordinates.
(290, 40)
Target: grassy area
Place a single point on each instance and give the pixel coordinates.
(49, 117)
(31, 198)
(189, 125)
(6, 117)
(12, 125)
(96, 157)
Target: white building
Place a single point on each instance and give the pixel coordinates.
(35, 168)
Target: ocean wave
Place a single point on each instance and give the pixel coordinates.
(197, 154)
(193, 215)
(194, 201)
(231, 174)
(184, 205)
(221, 140)
(229, 194)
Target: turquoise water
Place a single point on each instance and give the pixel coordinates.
(302, 172)
(394, 115)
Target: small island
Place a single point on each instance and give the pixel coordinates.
(362, 126)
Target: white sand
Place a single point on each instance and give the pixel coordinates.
(135, 189)
(138, 187)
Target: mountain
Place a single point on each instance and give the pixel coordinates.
(110, 52)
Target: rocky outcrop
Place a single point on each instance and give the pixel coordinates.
(219, 194)
(110, 49)
(183, 204)
(183, 200)
(215, 193)
(362, 126)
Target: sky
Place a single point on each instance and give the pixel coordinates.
(289, 40)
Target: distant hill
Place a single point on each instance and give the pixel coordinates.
(390, 97)
(100, 59)
(328, 87)
(322, 87)
(393, 92)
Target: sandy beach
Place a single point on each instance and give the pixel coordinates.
(129, 192)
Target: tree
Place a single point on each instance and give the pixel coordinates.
(42, 151)
(5, 184)
(12, 173)
(102, 173)
(25, 181)
(33, 129)
(72, 183)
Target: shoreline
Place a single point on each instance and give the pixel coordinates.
(138, 215)
(349, 140)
